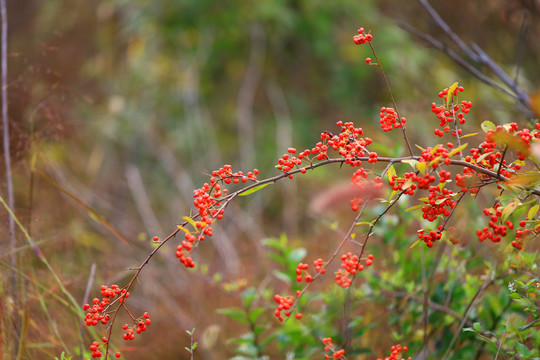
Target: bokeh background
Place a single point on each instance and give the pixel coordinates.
(118, 109)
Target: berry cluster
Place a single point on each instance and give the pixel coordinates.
(396, 353)
(410, 182)
(333, 352)
(495, 230)
(289, 161)
(432, 156)
(284, 304)
(97, 312)
(349, 144)
(489, 157)
(362, 38)
(139, 327)
(301, 267)
(96, 353)
(207, 200)
(453, 114)
(430, 237)
(522, 234)
(389, 119)
(439, 202)
(350, 266)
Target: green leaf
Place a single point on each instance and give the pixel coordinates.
(468, 135)
(487, 125)
(297, 255)
(415, 207)
(253, 189)
(515, 295)
(235, 314)
(282, 276)
(247, 297)
(411, 162)
(523, 350)
(254, 315)
(194, 345)
(483, 156)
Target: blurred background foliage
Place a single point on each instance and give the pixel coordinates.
(127, 105)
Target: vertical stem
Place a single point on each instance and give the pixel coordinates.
(5, 125)
(392, 98)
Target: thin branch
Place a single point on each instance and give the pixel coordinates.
(447, 29)
(403, 128)
(485, 284)
(5, 126)
(457, 58)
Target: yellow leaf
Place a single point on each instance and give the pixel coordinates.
(532, 212)
(391, 172)
(190, 221)
(183, 229)
(458, 149)
(421, 166)
(451, 90)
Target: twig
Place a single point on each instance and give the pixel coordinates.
(403, 128)
(5, 126)
(486, 283)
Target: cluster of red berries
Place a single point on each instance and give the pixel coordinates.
(349, 143)
(410, 182)
(95, 313)
(207, 201)
(301, 267)
(362, 38)
(510, 136)
(395, 353)
(284, 304)
(522, 234)
(494, 231)
(288, 161)
(333, 352)
(139, 327)
(430, 237)
(389, 119)
(432, 156)
(487, 156)
(448, 115)
(439, 202)
(96, 353)
(350, 266)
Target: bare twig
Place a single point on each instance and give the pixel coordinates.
(403, 128)
(485, 284)
(476, 54)
(246, 97)
(5, 126)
